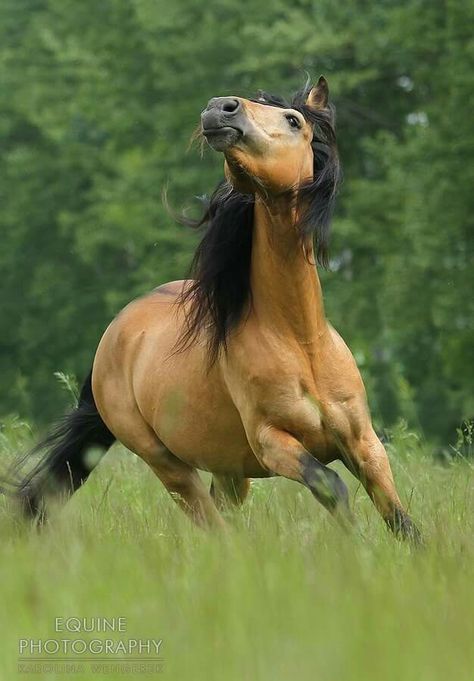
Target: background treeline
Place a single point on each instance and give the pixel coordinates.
(98, 100)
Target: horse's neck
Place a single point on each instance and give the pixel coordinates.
(286, 292)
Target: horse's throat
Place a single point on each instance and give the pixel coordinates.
(286, 292)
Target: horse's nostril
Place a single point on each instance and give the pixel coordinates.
(224, 106)
(230, 105)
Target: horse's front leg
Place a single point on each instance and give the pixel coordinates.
(365, 456)
(281, 453)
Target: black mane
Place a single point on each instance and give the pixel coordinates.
(219, 294)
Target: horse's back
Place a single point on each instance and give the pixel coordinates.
(145, 319)
(171, 291)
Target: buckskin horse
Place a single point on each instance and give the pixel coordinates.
(237, 371)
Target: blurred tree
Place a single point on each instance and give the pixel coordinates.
(99, 100)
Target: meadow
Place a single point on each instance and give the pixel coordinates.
(283, 595)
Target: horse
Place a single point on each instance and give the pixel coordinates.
(236, 370)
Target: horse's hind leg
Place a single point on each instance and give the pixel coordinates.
(229, 490)
(183, 482)
(185, 485)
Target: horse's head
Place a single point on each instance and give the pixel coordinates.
(267, 143)
(279, 154)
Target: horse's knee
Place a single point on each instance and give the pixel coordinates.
(372, 467)
(325, 484)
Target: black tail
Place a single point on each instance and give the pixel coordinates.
(62, 467)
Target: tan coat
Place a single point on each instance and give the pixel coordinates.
(286, 398)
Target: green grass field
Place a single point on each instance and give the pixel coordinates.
(286, 595)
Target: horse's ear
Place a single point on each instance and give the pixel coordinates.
(318, 95)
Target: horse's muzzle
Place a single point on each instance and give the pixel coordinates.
(222, 122)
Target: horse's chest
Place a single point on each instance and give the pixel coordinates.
(284, 391)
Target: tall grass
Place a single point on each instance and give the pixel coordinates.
(284, 595)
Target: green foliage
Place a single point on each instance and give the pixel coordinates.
(284, 594)
(69, 383)
(97, 105)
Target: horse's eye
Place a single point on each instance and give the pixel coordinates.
(293, 121)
